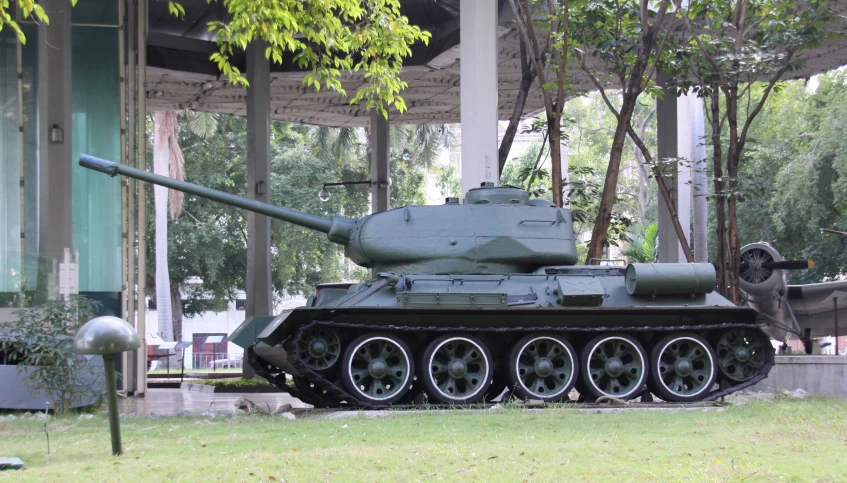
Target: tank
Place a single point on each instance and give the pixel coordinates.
(468, 300)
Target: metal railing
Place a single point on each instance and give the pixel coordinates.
(216, 360)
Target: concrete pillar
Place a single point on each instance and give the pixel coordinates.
(380, 167)
(699, 188)
(55, 129)
(259, 300)
(667, 135)
(478, 48)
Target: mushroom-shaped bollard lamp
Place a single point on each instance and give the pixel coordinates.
(107, 336)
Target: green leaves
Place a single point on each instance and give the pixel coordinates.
(175, 9)
(332, 37)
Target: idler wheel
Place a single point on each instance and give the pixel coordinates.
(613, 365)
(741, 354)
(319, 348)
(683, 367)
(456, 368)
(377, 368)
(543, 366)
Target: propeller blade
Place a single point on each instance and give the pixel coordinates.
(790, 265)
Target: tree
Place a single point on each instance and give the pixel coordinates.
(168, 160)
(735, 44)
(630, 41)
(548, 56)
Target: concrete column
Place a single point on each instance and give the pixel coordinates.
(259, 300)
(478, 48)
(380, 168)
(54, 113)
(699, 188)
(667, 123)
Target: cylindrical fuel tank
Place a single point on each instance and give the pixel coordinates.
(670, 278)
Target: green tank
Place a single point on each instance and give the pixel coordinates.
(469, 299)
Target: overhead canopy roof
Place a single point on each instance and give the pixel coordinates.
(180, 75)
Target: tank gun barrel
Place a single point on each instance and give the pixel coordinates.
(306, 220)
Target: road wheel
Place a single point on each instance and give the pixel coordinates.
(377, 368)
(542, 366)
(613, 365)
(456, 368)
(683, 367)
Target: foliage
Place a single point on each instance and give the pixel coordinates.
(329, 37)
(642, 243)
(41, 340)
(26, 9)
(448, 180)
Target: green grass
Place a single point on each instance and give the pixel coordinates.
(254, 382)
(781, 441)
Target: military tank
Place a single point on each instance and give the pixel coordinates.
(469, 298)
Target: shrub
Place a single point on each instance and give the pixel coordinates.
(41, 341)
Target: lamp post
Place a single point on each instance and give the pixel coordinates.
(107, 336)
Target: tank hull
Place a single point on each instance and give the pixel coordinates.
(497, 314)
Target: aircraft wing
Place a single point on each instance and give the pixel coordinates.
(813, 306)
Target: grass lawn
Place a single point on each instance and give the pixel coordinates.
(787, 440)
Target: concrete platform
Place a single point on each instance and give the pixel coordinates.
(172, 402)
(817, 375)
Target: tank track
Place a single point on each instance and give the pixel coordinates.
(331, 394)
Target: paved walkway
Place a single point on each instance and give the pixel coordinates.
(170, 402)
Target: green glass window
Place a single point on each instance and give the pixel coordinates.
(96, 131)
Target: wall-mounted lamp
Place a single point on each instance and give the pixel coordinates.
(324, 193)
(57, 135)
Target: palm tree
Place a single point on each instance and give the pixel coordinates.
(168, 160)
(642, 243)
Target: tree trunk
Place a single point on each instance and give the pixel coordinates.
(161, 157)
(176, 312)
(554, 138)
(720, 213)
(527, 77)
(732, 156)
(610, 184)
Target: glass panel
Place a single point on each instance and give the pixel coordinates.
(96, 198)
(10, 189)
(11, 276)
(97, 12)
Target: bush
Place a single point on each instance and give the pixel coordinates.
(41, 341)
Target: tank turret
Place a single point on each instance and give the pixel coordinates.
(497, 229)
